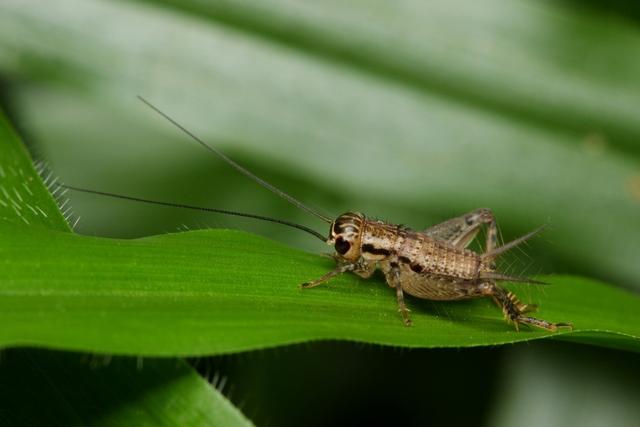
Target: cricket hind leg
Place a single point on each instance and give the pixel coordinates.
(514, 310)
(461, 230)
(393, 279)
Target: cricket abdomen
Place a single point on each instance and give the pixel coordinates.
(431, 269)
(428, 268)
(431, 257)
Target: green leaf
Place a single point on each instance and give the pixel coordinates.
(217, 291)
(73, 389)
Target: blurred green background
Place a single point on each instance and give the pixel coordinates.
(409, 111)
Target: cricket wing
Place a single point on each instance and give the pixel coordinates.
(434, 287)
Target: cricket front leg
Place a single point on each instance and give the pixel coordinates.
(514, 310)
(393, 279)
(338, 271)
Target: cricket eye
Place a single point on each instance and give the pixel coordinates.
(342, 246)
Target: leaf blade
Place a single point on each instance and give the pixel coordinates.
(219, 291)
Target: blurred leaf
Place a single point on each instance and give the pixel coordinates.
(41, 388)
(563, 386)
(556, 63)
(525, 107)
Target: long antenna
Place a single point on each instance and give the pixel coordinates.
(239, 168)
(197, 208)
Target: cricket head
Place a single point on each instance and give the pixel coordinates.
(345, 235)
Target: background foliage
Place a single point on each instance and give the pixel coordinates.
(413, 112)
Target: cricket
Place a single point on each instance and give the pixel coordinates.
(432, 264)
